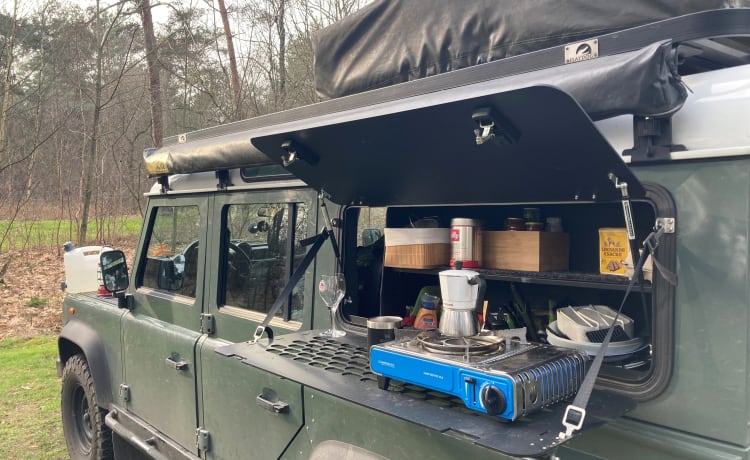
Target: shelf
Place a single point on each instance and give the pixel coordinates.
(572, 279)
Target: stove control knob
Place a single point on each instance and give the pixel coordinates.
(493, 400)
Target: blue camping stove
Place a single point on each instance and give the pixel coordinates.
(491, 374)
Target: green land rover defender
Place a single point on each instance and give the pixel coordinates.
(533, 128)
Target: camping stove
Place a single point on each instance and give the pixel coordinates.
(490, 374)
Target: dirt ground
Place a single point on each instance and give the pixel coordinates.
(30, 294)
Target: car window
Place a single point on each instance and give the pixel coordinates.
(171, 262)
(258, 259)
(370, 225)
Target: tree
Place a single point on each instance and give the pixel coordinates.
(237, 112)
(157, 125)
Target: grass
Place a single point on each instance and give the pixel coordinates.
(41, 233)
(30, 426)
(38, 302)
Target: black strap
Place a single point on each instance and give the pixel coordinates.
(293, 280)
(575, 413)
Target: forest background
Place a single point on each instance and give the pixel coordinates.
(85, 87)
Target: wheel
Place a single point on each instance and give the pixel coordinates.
(86, 434)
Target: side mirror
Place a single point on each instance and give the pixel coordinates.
(114, 270)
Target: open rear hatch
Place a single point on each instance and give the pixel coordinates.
(538, 145)
(529, 145)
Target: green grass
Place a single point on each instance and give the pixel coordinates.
(46, 233)
(38, 302)
(30, 426)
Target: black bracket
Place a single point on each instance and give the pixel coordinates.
(493, 127)
(652, 140)
(224, 181)
(164, 182)
(294, 151)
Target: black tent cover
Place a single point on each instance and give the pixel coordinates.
(393, 41)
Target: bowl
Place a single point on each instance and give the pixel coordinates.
(625, 347)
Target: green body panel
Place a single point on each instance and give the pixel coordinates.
(239, 427)
(708, 393)
(628, 439)
(104, 319)
(160, 394)
(330, 418)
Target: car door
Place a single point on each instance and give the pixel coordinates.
(161, 331)
(250, 413)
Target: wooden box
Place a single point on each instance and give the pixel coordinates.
(528, 251)
(417, 247)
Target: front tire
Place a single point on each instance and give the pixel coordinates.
(86, 435)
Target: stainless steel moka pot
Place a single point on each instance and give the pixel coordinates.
(462, 292)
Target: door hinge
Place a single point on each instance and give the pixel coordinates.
(667, 222)
(202, 440)
(124, 392)
(207, 323)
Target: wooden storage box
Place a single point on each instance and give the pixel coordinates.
(528, 251)
(417, 247)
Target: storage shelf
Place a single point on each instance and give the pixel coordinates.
(572, 279)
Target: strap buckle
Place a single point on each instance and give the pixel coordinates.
(258, 333)
(570, 423)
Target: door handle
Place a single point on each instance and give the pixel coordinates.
(278, 407)
(177, 365)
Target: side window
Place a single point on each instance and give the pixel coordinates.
(258, 257)
(370, 225)
(171, 262)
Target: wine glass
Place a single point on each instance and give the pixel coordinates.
(332, 289)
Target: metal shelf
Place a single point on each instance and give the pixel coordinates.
(572, 279)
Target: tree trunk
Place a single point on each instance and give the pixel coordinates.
(157, 124)
(8, 80)
(237, 112)
(281, 30)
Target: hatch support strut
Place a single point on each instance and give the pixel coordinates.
(628, 214)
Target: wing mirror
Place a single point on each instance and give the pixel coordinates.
(115, 275)
(114, 271)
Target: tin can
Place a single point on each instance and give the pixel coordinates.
(532, 214)
(466, 242)
(514, 224)
(534, 226)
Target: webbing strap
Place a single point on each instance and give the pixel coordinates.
(575, 413)
(293, 280)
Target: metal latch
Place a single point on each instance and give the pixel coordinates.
(124, 392)
(207, 323)
(491, 126)
(668, 223)
(202, 440)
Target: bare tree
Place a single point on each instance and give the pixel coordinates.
(90, 156)
(237, 112)
(157, 125)
(7, 83)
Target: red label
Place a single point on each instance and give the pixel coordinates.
(455, 234)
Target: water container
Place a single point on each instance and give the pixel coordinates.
(82, 271)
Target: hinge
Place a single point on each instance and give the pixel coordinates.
(668, 223)
(207, 323)
(124, 392)
(202, 440)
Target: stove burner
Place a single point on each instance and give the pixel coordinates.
(448, 345)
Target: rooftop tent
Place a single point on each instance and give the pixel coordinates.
(393, 41)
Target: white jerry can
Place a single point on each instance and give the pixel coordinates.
(82, 269)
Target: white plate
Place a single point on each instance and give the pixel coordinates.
(624, 347)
